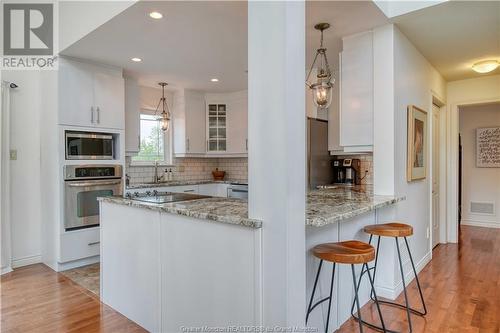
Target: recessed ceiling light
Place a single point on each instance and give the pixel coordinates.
(214, 80)
(485, 66)
(136, 59)
(156, 15)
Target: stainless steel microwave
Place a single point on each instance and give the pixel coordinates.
(89, 146)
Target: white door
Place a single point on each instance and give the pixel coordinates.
(435, 175)
(76, 94)
(109, 100)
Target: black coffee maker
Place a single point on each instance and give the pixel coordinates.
(347, 171)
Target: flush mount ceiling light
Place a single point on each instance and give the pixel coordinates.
(136, 59)
(156, 15)
(321, 87)
(485, 66)
(214, 80)
(164, 116)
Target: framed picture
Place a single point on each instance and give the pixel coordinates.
(417, 144)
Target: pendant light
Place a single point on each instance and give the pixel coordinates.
(321, 88)
(164, 116)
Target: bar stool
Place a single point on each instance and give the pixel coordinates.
(396, 230)
(349, 252)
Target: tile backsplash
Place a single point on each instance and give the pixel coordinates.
(366, 161)
(191, 169)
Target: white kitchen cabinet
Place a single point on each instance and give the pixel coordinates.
(90, 95)
(189, 124)
(132, 117)
(235, 124)
(356, 93)
(79, 244)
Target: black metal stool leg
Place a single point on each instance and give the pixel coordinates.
(357, 299)
(404, 285)
(311, 307)
(376, 262)
(313, 291)
(372, 283)
(330, 299)
(418, 282)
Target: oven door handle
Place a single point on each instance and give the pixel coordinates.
(87, 184)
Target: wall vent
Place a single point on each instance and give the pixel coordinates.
(487, 208)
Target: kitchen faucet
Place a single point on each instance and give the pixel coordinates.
(156, 178)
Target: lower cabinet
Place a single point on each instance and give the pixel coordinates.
(175, 271)
(79, 244)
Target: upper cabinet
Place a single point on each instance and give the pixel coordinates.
(356, 93)
(211, 125)
(227, 126)
(90, 95)
(132, 117)
(189, 123)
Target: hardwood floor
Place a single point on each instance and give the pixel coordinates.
(37, 299)
(461, 288)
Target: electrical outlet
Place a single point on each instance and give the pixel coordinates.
(13, 154)
(180, 168)
(428, 232)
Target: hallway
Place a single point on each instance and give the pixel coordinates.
(461, 288)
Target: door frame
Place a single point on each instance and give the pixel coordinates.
(452, 224)
(441, 103)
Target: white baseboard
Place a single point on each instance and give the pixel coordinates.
(393, 293)
(30, 260)
(483, 224)
(6, 270)
(77, 263)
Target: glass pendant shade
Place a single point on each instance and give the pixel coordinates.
(164, 121)
(322, 94)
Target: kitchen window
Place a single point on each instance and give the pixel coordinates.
(155, 145)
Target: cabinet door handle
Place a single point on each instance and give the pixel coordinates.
(139, 142)
(188, 191)
(187, 144)
(207, 145)
(93, 243)
(92, 114)
(98, 115)
(246, 144)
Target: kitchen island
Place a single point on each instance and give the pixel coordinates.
(198, 262)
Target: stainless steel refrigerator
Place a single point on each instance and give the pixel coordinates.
(319, 160)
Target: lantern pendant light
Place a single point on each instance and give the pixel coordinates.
(164, 116)
(321, 88)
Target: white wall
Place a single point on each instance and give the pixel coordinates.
(26, 113)
(460, 93)
(478, 184)
(414, 81)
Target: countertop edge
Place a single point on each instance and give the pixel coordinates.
(321, 222)
(245, 222)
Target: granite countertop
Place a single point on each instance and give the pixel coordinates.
(333, 204)
(185, 182)
(325, 206)
(224, 210)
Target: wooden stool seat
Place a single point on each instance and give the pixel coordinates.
(393, 229)
(348, 252)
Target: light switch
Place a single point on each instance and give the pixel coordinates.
(13, 154)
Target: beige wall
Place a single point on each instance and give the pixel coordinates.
(478, 184)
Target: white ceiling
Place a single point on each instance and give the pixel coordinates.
(194, 42)
(454, 35)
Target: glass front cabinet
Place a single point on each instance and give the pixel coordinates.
(216, 129)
